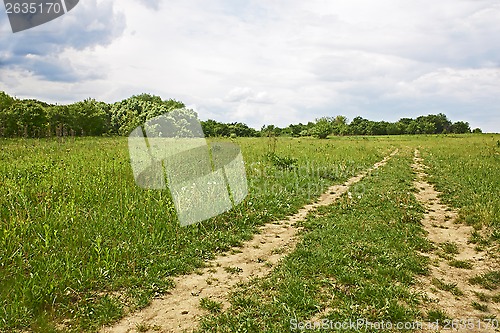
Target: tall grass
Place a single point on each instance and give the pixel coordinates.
(466, 169)
(80, 243)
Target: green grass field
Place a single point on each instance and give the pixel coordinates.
(80, 244)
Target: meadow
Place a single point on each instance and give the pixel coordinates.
(81, 244)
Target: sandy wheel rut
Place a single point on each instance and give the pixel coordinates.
(448, 287)
(179, 310)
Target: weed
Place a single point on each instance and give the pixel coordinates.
(490, 280)
(279, 250)
(233, 270)
(450, 287)
(482, 296)
(480, 307)
(282, 162)
(450, 248)
(443, 255)
(489, 318)
(210, 305)
(476, 238)
(437, 315)
(142, 327)
(460, 264)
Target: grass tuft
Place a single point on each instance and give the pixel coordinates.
(451, 287)
(461, 264)
(210, 305)
(490, 280)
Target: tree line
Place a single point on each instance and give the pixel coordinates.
(339, 125)
(33, 118)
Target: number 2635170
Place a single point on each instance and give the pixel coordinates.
(33, 8)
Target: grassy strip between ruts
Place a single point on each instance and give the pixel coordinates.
(466, 169)
(79, 242)
(356, 259)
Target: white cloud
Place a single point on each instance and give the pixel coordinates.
(247, 95)
(465, 85)
(280, 62)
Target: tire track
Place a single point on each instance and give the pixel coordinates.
(447, 287)
(179, 310)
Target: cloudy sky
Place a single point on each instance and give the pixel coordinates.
(268, 61)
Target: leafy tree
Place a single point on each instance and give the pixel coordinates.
(340, 126)
(305, 133)
(460, 127)
(359, 126)
(5, 101)
(58, 119)
(270, 130)
(209, 127)
(376, 128)
(413, 128)
(242, 130)
(25, 118)
(323, 128)
(148, 98)
(429, 127)
(132, 112)
(181, 123)
(403, 124)
(394, 129)
(172, 104)
(295, 130)
(88, 117)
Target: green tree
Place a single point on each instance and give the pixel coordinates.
(460, 127)
(322, 128)
(58, 120)
(403, 124)
(429, 127)
(394, 129)
(295, 130)
(413, 128)
(88, 117)
(26, 118)
(359, 126)
(340, 126)
(5, 102)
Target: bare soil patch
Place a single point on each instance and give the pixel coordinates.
(179, 310)
(448, 287)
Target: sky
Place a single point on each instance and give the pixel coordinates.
(266, 62)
